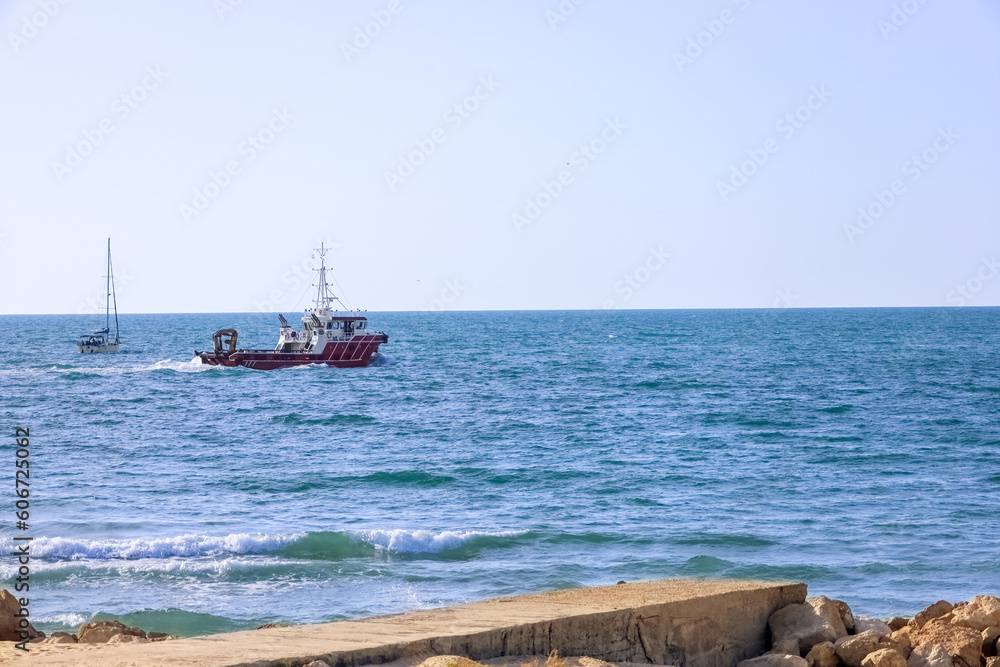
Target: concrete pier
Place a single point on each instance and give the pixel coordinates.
(671, 622)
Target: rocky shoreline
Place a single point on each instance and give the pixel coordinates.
(15, 628)
(824, 633)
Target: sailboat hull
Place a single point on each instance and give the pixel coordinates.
(87, 348)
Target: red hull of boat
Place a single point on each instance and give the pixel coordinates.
(352, 353)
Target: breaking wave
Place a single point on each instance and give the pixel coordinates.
(313, 545)
(61, 548)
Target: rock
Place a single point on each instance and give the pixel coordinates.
(774, 660)
(939, 608)
(990, 636)
(852, 649)
(897, 622)
(817, 620)
(267, 626)
(823, 655)
(962, 644)
(127, 639)
(884, 657)
(981, 612)
(60, 638)
(100, 632)
(900, 642)
(10, 622)
(930, 655)
(316, 663)
(872, 625)
(903, 635)
(786, 647)
(846, 616)
(157, 636)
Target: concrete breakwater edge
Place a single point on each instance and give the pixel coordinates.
(687, 623)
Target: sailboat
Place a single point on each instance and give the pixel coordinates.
(100, 340)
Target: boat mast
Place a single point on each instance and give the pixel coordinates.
(111, 279)
(324, 296)
(107, 292)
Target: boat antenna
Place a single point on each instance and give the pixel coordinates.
(111, 279)
(324, 295)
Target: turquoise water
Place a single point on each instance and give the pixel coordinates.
(493, 454)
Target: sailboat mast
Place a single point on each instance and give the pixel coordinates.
(114, 297)
(107, 291)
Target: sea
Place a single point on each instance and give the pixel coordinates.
(488, 454)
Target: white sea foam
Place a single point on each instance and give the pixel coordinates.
(303, 368)
(73, 620)
(423, 541)
(174, 565)
(176, 553)
(383, 359)
(162, 547)
(193, 366)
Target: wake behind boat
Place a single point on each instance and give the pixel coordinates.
(328, 337)
(100, 340)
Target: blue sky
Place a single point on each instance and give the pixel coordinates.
(515, 155)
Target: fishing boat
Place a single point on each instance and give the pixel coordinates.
(329, 336)
(100, 340)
